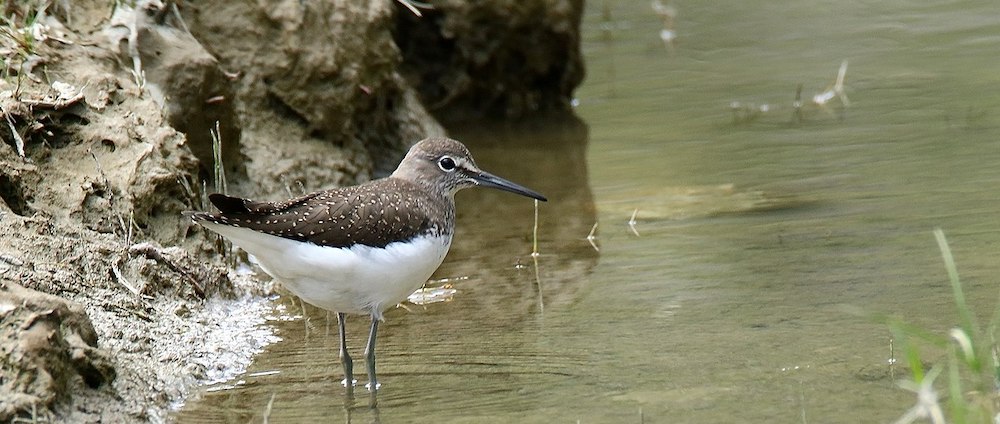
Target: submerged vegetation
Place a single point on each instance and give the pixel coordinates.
(971, 361)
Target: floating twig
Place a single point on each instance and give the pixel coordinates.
(592, 237)
(835, 90)
(749, 112)
(631, 222)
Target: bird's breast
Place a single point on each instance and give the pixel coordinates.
(358, 279)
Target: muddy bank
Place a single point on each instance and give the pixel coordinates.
(112, 306)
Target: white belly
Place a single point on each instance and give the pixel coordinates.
(358, 280)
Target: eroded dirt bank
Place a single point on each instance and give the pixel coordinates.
(112, 306)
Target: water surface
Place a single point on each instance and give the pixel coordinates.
(730, 296)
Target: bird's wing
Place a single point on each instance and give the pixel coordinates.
(370, 214)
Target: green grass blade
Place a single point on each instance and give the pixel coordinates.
(956, 397)
(965, 314)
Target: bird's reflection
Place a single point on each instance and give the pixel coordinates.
(351, 406)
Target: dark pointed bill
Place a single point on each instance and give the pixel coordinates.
(486, 179)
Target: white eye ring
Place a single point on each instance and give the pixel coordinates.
(447, 164)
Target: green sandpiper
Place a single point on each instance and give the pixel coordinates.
(359, 249)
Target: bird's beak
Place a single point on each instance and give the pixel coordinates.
(486, 179)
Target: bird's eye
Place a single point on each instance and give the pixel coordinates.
(446, 164)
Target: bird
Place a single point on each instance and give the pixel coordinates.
(359, 249)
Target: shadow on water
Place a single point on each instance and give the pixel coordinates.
(485, 350)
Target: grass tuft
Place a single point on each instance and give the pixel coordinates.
(972, 362)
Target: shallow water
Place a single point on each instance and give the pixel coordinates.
(734, 295)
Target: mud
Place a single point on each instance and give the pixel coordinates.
(113, 307)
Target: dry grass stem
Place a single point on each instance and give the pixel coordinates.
(631, 222)
(592, 237)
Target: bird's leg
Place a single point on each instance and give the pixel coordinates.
(370, 356)
(345, 358)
